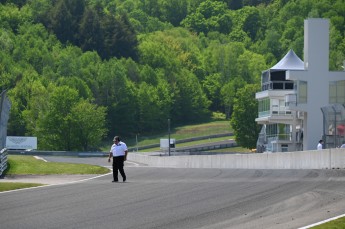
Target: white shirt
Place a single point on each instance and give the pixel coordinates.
(119, 149)
(319, 146)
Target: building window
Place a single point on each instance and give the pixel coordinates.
(264, 107)
(337, 92)
(279, 131)
(302, 92)
(285, 148)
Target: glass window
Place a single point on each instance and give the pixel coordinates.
(264, 107)
(341, 92)
(285, 148)
(337, 92)
(303, 92)
(333, 92)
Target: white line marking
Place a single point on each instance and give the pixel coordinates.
(322, 222)
(40, 158)
(131, 162)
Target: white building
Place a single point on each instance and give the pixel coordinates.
(293, 93)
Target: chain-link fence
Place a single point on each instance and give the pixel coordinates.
(333, 125)
(5, 106)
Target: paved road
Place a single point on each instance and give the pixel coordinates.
(181, 198)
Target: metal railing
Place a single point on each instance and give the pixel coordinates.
(277, 85)
(3, 161)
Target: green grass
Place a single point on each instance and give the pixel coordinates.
(234, 149)
(20, 165)
(204, 141)
(178, 133)
(335, 224)
(7, 186)
(28, 165)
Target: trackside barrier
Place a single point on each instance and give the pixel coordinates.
(132, 149)
(313, 159)
(3, 160)
(58, 153)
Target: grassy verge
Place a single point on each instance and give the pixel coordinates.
(190, 131)
(20, 165)
(189, 143)
(335, 224)
(28, 165)
(233, 149)
(7, 186)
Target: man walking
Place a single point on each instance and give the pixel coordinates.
(320, 145)
(118, 152)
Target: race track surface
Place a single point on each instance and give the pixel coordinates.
(180, 198)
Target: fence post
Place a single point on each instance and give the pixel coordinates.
(3, 160)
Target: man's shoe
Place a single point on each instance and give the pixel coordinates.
(124, 179)
(115, 181)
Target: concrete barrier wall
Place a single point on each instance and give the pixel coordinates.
(313, 159)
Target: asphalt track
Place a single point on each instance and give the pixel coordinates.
(180, 198)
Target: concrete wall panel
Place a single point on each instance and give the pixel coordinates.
(312, 159)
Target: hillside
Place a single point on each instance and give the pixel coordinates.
(79, 72)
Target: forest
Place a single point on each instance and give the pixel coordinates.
(78, 72)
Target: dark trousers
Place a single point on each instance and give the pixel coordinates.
(118, 166)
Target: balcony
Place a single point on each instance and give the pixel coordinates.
(276, 111)
(291, 99)
(277, 85)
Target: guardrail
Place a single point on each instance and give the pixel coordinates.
(3, 160)
(134, 148)
(58, 153)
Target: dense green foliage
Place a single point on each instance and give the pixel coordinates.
(80, 71)
(246, 129)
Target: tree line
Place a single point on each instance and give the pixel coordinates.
(79, 71)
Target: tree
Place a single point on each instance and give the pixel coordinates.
(292, 36)
(61, 22)
(27, 85)
(209, 16)
(228, 94)
(36, 104)
(212, 85)
(119, 38)
(119, 95)
(250, 65)
(90, 33)
(69, 122)
(12, 17)
(175, 11)
(78, 84)
(245, 128)
(252, 22)
(170, 50)
(127, 42)
(190, 102)
(223, 59)
(55, 127)
(154, 106)
(156, 51)
(88, 121)
(34, 46)
(64, 19)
